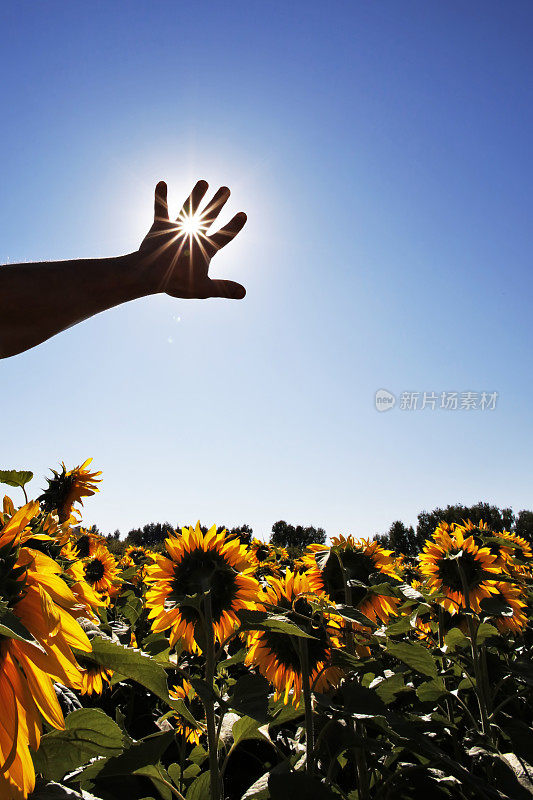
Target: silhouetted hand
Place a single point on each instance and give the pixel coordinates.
(179, 257)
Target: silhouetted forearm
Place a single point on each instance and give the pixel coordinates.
(39, 300)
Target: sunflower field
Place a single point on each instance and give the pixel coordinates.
(222, 669)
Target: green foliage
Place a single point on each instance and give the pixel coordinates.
(88, 733)
(296, 538)
(13, 477)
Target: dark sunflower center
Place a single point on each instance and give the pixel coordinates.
(83, 546)
(357, 566)
(94, 571)
(262, 553)
(137, 556)
(86, 663)
(196, 707)
(201, 571)
(287, 649)
(471, 567)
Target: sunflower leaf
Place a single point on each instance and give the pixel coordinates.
(485, 631)
(351, 613)
(13, 477)
(88, 733)
(136, 666)
(430, 691)
(159, 778)
(415, 656)
(455, 638)
(139, 754)
(250, 696)
(247, 728)
(496, 607)
(260, 621)
(199, 788)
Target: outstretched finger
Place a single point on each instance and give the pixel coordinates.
(190, 206)
(229, 231)
(230, 289)
(213, 209)
(160, 202)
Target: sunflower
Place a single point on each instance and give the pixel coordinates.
(40, 604)
(135, 556)
(510, 595)
(277, 655)
(449, 559)
(360, 562)
(519, 560)
(268, 558)
(193, 703)
(68, 487)
(198, 563)
(499, 544)
(94, 677)
(95, 578)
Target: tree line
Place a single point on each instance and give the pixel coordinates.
(409, 540)
(405, 539)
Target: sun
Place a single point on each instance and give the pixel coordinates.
(190, 224)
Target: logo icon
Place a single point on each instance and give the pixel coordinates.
(384, 400)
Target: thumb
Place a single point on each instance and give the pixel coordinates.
(229, 289)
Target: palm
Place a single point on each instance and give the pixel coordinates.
(180, 256)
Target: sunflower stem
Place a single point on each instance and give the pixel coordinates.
(480, 680)
(444, 667)
(209, 705)
(309, 722)
(357, 727)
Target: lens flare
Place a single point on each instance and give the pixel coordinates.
(190, 225)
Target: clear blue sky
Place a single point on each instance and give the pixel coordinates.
(382, 151)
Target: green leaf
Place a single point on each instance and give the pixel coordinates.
(288, 785)
(139, 754)
(384, 589)
(131, 664)
(389, 688)
(250, 696)
(198, 754)
(361, 702)
(455, 639)
(281, 713)
(247, 728)
(401, 625)
(341, 658)
(130, 607)
(199, 788)
(496, 607)
(174, 770)
(415, 656)
(429, 691)
(485, 631)
(351, 613)
(238, 658)
(88, 733)
(521, 737)
(191, 771)
(13, 477)
(259, 621)
(158, 777)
